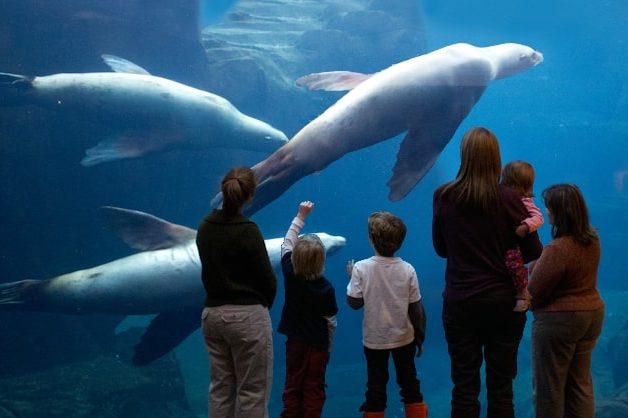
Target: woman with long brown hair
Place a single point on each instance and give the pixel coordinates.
(474, 222)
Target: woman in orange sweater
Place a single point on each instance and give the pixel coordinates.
(568, 310)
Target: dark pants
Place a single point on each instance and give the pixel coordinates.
(304, 392)
(480, 330)
(562, 343)
(377, 370)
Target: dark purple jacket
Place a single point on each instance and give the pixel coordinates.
(475, 245)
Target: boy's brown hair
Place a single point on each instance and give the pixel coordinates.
(308, 257)
(386, 232)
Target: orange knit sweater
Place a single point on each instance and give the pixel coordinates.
(564, 278)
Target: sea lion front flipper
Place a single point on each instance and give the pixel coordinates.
(143, 231)
(424, 143)
(120, 65)
(417, 154)
(332, 80)
(129, 145)
(165, 332)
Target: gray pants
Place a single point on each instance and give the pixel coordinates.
(562, 343)
(240, 346)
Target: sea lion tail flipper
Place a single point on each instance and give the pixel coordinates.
(16, 80)
(20, 294)
(13, 88)
(332, 80)
(120, 65)
(165, 332)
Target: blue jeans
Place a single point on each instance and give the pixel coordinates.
(562, 343)
(480, 330)
(240, 346)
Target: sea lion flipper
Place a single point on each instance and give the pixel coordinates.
(126, 145)
(120, 65)
(417, 154)
(143, 231)
(21, 294)
(332, 80)
(165, 332)
(110, 150)
(423, 144)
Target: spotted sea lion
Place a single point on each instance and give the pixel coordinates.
(141, 113)
(163, 279)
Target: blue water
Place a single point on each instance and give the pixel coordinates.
(212, 11)
(568, 117)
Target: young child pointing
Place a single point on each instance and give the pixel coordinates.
(308, 319)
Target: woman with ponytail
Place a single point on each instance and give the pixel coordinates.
(240, 287)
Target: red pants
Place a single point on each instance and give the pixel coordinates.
(304, 392)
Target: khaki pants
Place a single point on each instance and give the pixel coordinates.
(239, 342)
(562, 343)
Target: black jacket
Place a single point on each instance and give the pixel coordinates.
(235, 264)
(307, 303)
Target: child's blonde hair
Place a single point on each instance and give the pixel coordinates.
(386, 232)
(308, 257)
(520, 176)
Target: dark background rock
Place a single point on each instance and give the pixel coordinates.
(103, 387)
(46, 37)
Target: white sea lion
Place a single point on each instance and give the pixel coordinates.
(141, 113)
(427, 96)
(163, 279)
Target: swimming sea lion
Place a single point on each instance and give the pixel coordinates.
(163, 279)
(141, 113)
(427, 96)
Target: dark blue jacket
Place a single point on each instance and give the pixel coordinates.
(307, 303)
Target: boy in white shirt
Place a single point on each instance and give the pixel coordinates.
(394, 319)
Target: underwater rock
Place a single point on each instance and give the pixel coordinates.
(371, 23)
(40, 37)
(615, 408)
(617, 349)
(242, 76)
(288, 39)
(104, 386)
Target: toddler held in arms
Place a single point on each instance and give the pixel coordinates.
(519, 175)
